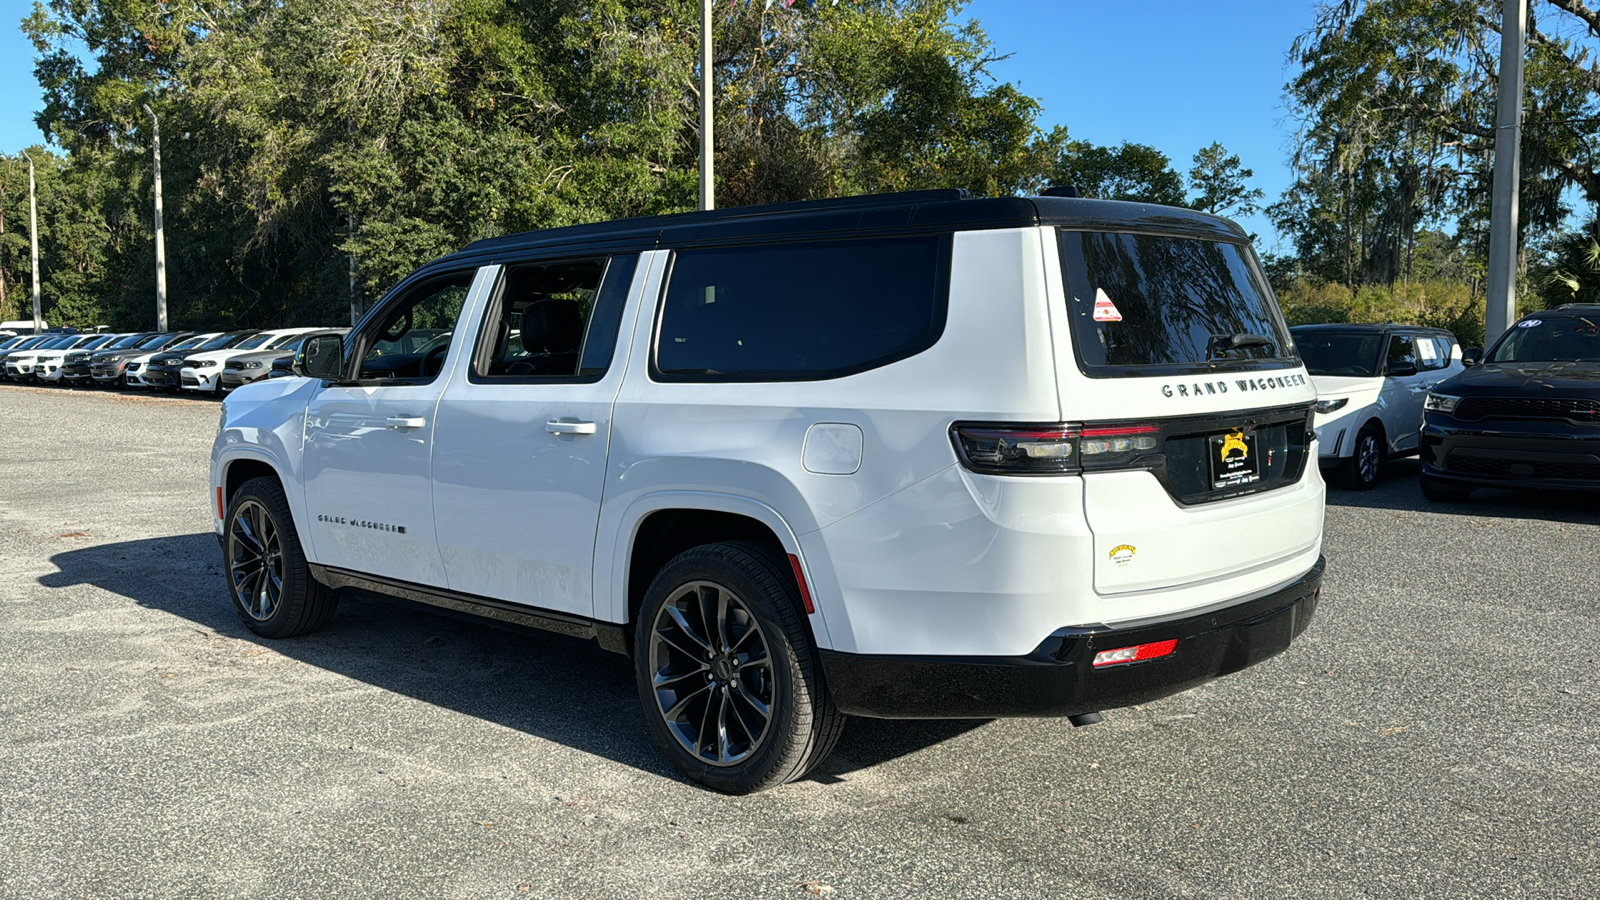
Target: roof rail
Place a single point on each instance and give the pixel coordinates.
(1579, 306)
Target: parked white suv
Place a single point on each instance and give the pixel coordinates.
(898, 456)
(203, 371)
(1371, 381)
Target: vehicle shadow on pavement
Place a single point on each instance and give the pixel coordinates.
(545, 685)
(1398, 489)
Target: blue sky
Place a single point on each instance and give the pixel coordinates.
(1175, 74)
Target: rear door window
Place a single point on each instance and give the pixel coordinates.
(554, 320)
(1144, 304)
(802, 311)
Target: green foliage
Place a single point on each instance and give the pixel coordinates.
(1136, 172)
(1220, 182)
(301, 134)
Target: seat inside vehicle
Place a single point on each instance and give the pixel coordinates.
(544, 314)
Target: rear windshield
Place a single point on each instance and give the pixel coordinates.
(1153, 304)
(1556, 339)
(1333, 353)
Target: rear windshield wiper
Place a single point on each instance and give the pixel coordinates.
(1222, 343)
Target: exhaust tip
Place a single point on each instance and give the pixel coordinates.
(1082, 719)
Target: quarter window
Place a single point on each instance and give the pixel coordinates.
(794, 312)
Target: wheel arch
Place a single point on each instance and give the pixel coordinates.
(659, 526)
(242, 463)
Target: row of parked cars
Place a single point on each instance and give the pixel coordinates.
(207, 363)
(1524, 414)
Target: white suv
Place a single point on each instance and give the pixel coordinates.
(203, 371)
(898, 456)
(1371, 381)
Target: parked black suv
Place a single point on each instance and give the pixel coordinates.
(162, 372)
(1526, 416)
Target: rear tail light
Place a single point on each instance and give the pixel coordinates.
(1136, 653)
(1051, 449)
(1018, 450)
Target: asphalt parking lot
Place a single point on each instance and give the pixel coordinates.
(1435, 733)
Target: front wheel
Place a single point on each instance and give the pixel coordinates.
(268, 577)
(727, 673)
(1360, 471)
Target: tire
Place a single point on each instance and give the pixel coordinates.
(1360, 471)
(1441, 492)
(268, 578)
(691, 681)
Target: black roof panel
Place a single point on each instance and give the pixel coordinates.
(873, 213)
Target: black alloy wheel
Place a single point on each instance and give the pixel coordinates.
(269, 580)
(727, 671)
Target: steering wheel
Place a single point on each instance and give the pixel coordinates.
(431, 365)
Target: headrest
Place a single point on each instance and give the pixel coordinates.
(552, 326)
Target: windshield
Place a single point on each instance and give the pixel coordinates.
(98, 342)
(254, 343)
(1556, 339)
(9, 343)
(225, 341)
(1142, 301)
(1334, 353)
(191, 343)
(155, 342)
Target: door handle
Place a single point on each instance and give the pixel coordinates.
(399, 422)
(557, 426)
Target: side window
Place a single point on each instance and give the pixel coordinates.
(554, 320)
(1402, 349)
(1428, 355)
(412, 337)
(790, 312)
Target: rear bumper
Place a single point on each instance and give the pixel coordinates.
(1486, 458)
(1057, 679)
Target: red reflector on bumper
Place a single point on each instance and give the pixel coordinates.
(1137, 653)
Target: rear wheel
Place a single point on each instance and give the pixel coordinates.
(1442, 492)
(729, 679)
(1360, 471)
(268, 577)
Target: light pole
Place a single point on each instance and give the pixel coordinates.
(33, 234)
(161, 239)
(1502, 298)
(707, 195)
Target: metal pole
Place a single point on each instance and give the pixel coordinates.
(707, 194)
(350, 234)
(1502, 299)
(33, 234)
(161, 238)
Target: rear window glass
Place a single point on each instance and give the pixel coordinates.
(802, 311)
(1142, 302)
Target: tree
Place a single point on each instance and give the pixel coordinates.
(1127, 172)
(1219, 181)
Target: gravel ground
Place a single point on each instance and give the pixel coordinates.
(1435, 733)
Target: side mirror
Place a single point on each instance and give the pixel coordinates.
(1404, 367)
(321, 357)
(1472, 356)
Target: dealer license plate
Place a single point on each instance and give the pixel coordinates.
(1233, 459)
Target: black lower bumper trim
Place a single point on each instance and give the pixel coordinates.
(1058, 679)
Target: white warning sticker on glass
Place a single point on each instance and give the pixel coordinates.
(1427, 350)
(1104, 309)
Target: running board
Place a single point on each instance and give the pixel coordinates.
(608, 636)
